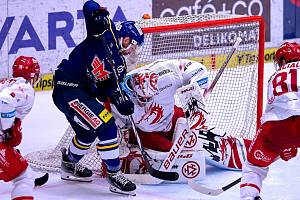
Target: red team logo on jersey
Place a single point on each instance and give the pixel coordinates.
(99, 71)
(155, 110)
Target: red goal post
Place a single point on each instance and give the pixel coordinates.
(250, 49)
(235, 104)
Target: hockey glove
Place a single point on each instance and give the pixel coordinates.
(125, 107)
(14, 134)
(3, 136)
(96, 18)
(288, 154)
(100, 23)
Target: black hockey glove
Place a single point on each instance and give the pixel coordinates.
(100, 23)
(125, 107)
(96, 18)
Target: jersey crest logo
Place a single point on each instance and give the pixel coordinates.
(155, 110)
(99, 71)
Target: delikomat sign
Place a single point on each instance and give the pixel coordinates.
(291, 15)
(27, 36)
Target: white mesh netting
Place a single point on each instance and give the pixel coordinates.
(233, 104)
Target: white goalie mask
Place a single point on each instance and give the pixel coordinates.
(144, 85)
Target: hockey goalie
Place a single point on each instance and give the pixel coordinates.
(177, 137)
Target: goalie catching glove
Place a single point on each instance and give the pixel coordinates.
(125, 107)
(13, 135)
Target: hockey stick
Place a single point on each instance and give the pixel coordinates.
(192, 183)
(213, 192)
(220, 72)
(38, 181)
(209, 191)
(168, 162)
(41, 180)
(170, 176)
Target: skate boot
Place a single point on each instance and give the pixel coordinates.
(72, 171)
(120, 184)
(257, 198)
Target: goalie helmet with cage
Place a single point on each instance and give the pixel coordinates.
(144, 84)
(287, 52)
(28, 68)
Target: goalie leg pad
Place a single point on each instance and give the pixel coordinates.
(181, 125)
(233, 151)
(133, 163)
(225, 152)
(12, 164)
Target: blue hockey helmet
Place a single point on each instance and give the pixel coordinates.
(132, 30)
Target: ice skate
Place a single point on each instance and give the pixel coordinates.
(120, 184)
(71, 171)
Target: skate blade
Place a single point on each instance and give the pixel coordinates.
(70, 177)
(118, 191)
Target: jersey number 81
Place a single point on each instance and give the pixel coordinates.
(285, 82)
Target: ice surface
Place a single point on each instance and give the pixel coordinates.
(45, 125)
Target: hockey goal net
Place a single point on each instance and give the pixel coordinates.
(235, 104)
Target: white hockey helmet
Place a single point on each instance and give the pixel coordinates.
(144, 85)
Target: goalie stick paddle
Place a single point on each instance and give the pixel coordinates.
(220, 72)
(212, 192)
(41, 180)
(169, 176)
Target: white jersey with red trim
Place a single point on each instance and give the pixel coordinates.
(172, 74)
(283, 93)
(16, 98)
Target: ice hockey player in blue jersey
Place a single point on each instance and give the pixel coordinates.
(83, 82)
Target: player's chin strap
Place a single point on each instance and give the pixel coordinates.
(195, 186)
(170, 176)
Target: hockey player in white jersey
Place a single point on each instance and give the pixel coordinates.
(279, 134)
(158, 120)
(17, 97)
